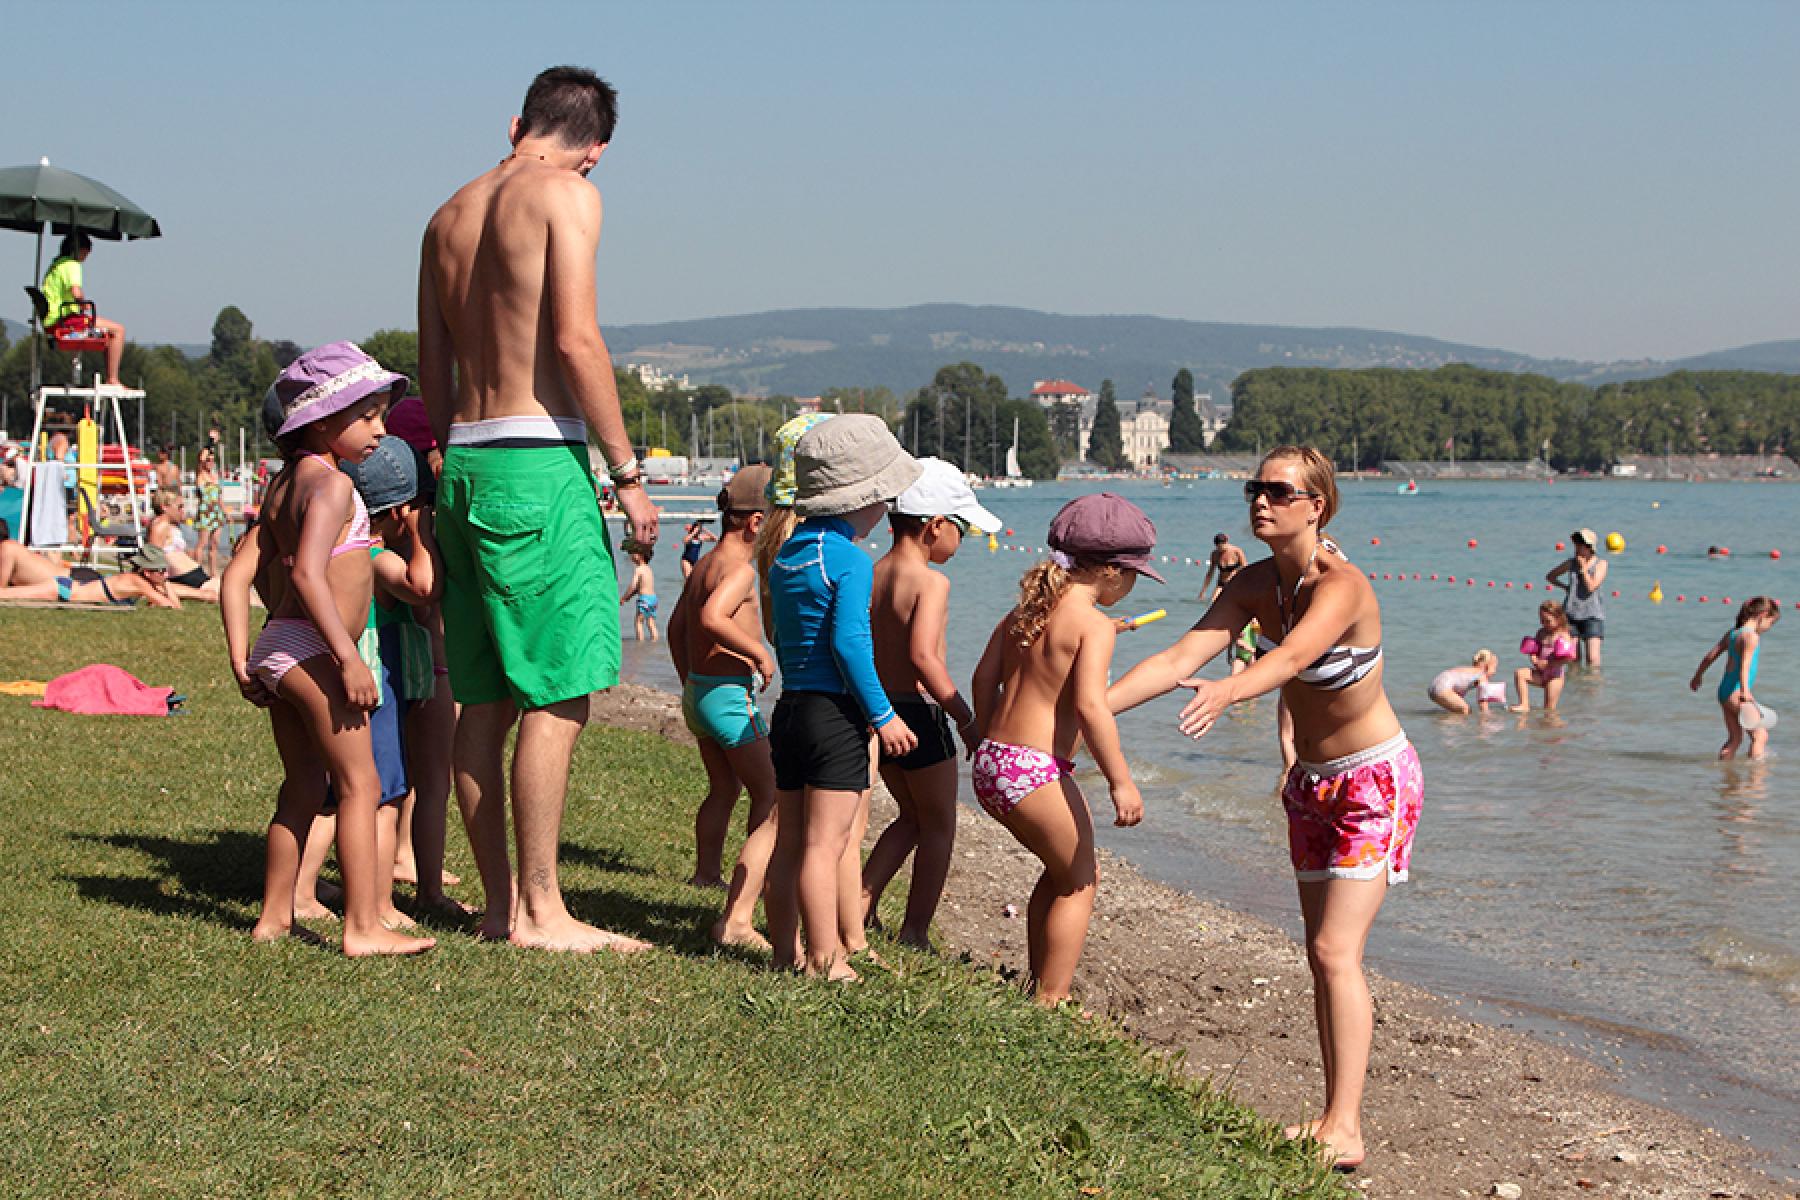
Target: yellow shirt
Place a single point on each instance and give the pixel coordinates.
(60, 285)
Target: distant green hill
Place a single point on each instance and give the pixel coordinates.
(803, 351)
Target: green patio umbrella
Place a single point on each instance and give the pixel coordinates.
(33, 199)
(30, 197)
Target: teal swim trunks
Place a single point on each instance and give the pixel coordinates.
(530, 610)
(722, 708)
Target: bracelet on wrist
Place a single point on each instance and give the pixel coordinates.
(621, 471)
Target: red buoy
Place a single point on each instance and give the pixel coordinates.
(1374, 541)
(1774, 554)
(1662, 549)
(1559, 545)
(1473, 543)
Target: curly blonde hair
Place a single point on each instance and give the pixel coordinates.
(1040, 589)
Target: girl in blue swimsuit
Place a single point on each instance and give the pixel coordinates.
(1742, 648)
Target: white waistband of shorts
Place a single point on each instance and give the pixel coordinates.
(531, 428)
(1361, 758)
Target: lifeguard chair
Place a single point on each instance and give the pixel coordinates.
(77, 334)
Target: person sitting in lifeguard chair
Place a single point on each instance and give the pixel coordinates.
(70, 317)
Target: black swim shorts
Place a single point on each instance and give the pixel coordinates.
(819, 740)
(931, 726)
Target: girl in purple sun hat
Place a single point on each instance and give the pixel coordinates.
(309, 558)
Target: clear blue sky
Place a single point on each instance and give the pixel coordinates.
(1591, 180)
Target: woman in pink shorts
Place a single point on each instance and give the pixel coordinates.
(1353, 797)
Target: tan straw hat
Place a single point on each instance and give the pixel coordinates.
(850, 462)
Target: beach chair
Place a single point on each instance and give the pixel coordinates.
(122, 537)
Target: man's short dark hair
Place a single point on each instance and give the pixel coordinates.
(572, 104)
(75, 242)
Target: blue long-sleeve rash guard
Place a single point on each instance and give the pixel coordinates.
(819, 589)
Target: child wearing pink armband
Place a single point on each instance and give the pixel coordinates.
(1550, 650)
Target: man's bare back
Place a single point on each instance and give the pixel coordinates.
(488, 267)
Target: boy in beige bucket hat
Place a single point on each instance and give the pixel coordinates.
(846, 470)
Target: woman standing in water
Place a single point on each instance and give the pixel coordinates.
(1353, 798)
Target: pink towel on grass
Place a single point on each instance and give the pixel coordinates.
(103, 688)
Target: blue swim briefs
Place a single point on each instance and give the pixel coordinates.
(722, 708)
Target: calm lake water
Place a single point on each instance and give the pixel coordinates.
(1593, 875)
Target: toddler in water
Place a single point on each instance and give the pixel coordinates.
(1450, 689)
(1040, 688)
(643, 587)
(311, 549)
(1742, 648)
(1550, 650)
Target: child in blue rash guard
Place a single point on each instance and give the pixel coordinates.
(847, 470)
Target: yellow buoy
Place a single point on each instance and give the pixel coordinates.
(1615, 542)
(1656, 592)
(993, 543)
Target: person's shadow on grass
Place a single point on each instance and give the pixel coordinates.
(216, 875)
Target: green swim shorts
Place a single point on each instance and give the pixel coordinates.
(530, 599)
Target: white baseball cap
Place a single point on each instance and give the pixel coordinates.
(943, 491)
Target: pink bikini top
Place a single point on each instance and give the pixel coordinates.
(358, 537)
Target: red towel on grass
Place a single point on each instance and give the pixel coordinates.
(103, 688)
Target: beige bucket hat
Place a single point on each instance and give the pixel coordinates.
(850, 462)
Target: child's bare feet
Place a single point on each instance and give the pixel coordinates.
(1518, 708)
(267, 930)
(572, 936)
(384, 941)
(393, 918)
(746, 936)
(917, 941)
(312, 910)
(705, 881)
(840, 972)
(444, 905)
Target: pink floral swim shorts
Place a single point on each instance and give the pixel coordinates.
(1004, 774)
(1354, 817)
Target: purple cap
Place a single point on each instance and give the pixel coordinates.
(328, 379)
(1106, 528)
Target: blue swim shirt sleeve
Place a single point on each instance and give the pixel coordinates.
(852, 643)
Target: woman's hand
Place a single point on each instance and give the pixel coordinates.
(1211, 699)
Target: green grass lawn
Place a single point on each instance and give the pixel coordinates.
(150, 1048)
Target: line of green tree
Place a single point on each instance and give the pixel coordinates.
(1365, 417)
(964, 416)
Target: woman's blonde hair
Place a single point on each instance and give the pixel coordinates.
(776, 529)
(1484, 655)
(1041, 587)
(1316, 472)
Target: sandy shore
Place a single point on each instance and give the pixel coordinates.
(1454, 1108)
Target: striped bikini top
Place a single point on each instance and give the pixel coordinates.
(1339, 666)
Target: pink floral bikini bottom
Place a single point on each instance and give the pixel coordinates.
(1004, 774)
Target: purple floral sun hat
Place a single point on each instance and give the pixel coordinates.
(328, 379)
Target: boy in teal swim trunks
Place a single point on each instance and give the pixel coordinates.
(715, 640)
(643, 590)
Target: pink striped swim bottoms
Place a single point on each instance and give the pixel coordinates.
(1354, 817)
(1004, 774)
(285, 643)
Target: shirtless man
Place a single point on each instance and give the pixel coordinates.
(715, 640)
(516, 375)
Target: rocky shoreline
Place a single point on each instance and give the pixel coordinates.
(1455, 1108)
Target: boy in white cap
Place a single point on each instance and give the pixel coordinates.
(909, 612)
(847, 469)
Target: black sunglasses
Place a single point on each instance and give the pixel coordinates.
(1278, 491)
